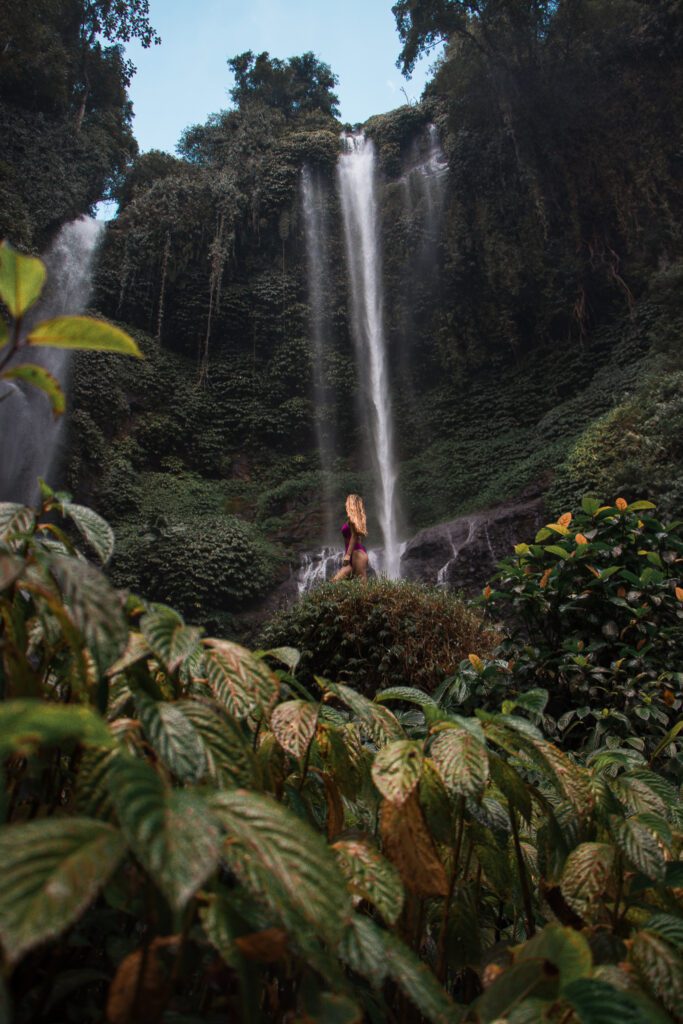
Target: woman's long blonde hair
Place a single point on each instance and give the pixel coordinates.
(355, 510)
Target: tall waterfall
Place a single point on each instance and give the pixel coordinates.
(357, 186)
(315, 231)
(29, 435)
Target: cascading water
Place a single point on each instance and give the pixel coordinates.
(356, 175)
(29, 435)
(315, 231)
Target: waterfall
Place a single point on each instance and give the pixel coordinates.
(29, 435)
(356, 175)
(315, 233)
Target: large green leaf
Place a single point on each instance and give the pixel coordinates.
(95, 530)
(377, 722)
(240, 682)
(172, 832)
(406, 693)
(51, 870)
(282, 860)
(173, 737)
(639, 846)
(661, 967)
(637, 795)
(15, 520)
(597, 1002)
(566, 948)
(28, 724)
(461, 761)
(21, 279)
(229, 758)
(294, 723)
(85, 333)
(377, 954)
(668, 927)
(168, 636)
(371, 876)
(39, 377)
(397, 769)
(95, 608)
(587, 875)
(93, 792)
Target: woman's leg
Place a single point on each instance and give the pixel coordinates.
(359, 561)
(344, 573)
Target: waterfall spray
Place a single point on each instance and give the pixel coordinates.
(356, 174)
(29, 435)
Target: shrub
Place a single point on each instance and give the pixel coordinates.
(379, 635)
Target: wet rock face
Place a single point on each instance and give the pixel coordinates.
(463, 553)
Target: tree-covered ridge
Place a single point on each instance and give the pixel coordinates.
(64, 108)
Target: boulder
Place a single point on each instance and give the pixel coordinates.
(463, 553)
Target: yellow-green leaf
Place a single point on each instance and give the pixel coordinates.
(40, 378)
(83, 332)
(21, 280)
(397, 769)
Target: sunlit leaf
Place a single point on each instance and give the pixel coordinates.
(21, 279)
(396, 770)
(95, 530)
(85, 333)
(15, 519)
(293, 723)
(461, 761)
(39, 377)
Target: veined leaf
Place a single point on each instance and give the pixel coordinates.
(461, 761)
(639, 847)
(511, 785)
(376, 721)
(597, 1002)
(168, 636)
(15, 519)
(173, 737)
(137, 648)
(51, 870)
(21, 280)
(660, 966)
(667, 927)
(95, 608)
(638, 797)
(238, 680)
(396, 770)
(371, 877)
(95, 530)
(39, 377)
(229, 759)
(407, 693)
(409, 846)
(92, 795)
(566, 948)
(587, 875)
(172, 832)
(84, 333)
(282, 860)
(294, 723)
(28, 724)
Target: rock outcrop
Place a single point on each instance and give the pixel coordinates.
(463, 553)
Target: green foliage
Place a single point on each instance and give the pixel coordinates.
(293, 86)
(382, 634)
(598, 611)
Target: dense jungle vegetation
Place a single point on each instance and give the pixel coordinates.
(400, 806)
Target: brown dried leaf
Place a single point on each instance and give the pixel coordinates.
(409, 845)
(136, 1000)
(266, 947)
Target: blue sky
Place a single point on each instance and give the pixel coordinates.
(185, 79)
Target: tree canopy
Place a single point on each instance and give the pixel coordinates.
(292, 86)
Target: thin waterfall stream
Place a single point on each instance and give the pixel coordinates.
(357, 187)
(30, 437)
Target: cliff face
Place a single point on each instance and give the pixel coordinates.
(530, 299)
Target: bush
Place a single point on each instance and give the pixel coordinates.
(383, 634)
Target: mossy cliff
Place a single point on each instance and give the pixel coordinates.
(533, 325)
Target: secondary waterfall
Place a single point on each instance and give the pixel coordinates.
(315, 232)
(29, 435)
(357, 186)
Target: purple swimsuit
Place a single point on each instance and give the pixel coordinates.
(346, 533)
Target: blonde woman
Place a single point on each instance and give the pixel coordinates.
(354, 531)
